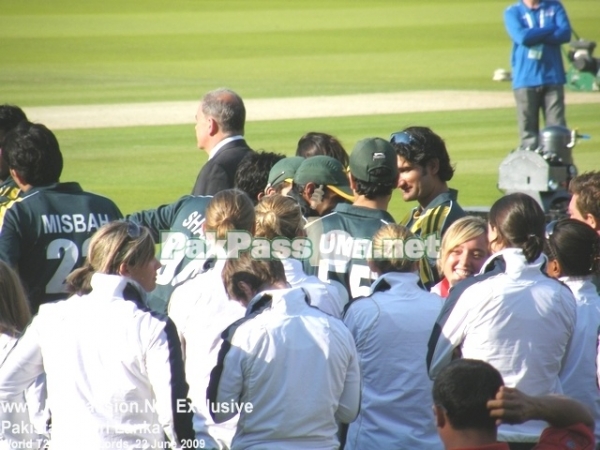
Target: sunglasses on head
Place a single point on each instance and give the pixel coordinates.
(401, 137)
(134, 231)
(550, 228)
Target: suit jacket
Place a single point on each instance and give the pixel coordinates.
(218, 173)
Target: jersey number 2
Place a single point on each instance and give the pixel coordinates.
(68, 253)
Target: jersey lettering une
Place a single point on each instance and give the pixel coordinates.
(46, 236)
(341, 244)
(178, 229)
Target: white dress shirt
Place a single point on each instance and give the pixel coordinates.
(220, 145)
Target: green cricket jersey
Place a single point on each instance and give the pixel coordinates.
(177, 228)
(46, 235)
(340, 244)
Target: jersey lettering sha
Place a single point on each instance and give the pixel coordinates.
(178, 229)
(46, 236)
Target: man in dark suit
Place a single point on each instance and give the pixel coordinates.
(220, 132)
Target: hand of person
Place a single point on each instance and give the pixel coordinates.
(511, 406)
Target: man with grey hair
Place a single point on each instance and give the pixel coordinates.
(219, 127)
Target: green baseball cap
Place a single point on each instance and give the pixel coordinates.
(374, 160)
(284, 170)
(327, 171)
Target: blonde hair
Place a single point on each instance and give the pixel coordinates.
(229, 210)
(14, 307)
(278, 215)
(113, 244)
(380, 249)
(461, 231)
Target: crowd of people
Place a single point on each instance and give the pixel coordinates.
(286, 308)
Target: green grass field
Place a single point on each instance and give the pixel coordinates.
(68, 52)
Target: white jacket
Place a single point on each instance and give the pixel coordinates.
(579, 375)
(202, 310)
(391, 328)
(329, 296)
(18, 424)
(114, 370)
(293, 371)
(514, 317)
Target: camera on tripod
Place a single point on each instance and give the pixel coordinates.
(584, 71)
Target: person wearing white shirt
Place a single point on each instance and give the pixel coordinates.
(290, 369)
(573, 250)
(201, 309)
(279, 219)
(511, 315)
(26, 414)
(391, 328)
(114, 369)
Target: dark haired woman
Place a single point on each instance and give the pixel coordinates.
(512, 315)
(573, 250)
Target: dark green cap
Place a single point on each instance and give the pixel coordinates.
(284, 170)
(374, 160)
(327, 171)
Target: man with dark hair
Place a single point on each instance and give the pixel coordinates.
(460, 395)
(585, 204)
(470, 401)
(315, 143)
(291, 369)
(425, 169)
(220, 122)
(319, 184)
(282, 174)
(10, 117)
(340, 240)
(585, 200)
(45, 233)
(252, 174)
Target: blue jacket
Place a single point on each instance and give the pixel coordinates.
(537, 35)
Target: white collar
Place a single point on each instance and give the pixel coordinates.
(113, 285)
(402, 279)
(294, 273)
(282, 299)
(515, 261)
(580, 286)
(221, 144)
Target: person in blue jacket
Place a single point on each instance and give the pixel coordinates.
(537, 29)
